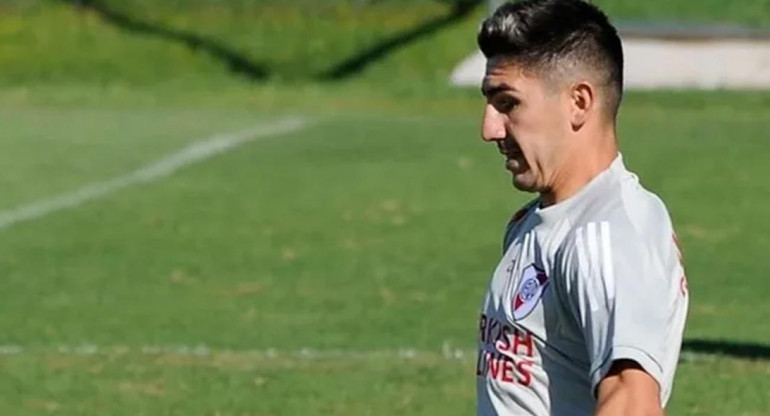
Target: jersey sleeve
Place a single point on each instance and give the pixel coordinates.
(623, 297)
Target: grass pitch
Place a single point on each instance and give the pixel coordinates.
(371, 231)
(336, 270)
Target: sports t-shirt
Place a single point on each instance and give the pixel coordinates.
(593, 279)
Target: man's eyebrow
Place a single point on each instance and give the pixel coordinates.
(489, 90)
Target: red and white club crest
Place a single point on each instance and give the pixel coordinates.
(531, 288)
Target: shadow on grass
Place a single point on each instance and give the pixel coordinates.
(240, 64)
(235, 61)
(745, 350)
(361, 60)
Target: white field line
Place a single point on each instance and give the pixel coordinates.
(195, 152)
(447, 352)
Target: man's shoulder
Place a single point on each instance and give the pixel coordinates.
(625, 211)
(622, 199)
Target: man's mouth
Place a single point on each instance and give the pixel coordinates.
(509, 148)
(514, 157)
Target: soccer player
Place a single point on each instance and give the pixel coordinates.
(585, 312)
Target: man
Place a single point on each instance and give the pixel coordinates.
(585, 311)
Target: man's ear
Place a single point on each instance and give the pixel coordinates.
(582, 101)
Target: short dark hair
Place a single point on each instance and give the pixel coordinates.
(541, 34)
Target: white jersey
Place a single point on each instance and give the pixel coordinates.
(590, 280)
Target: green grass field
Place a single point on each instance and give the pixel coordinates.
(368, 232)
(336, 269)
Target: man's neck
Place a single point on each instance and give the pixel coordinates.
(578, 170)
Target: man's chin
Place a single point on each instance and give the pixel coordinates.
(523, 185)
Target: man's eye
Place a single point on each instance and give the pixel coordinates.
(504, 103)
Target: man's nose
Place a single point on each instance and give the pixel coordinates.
(493, 125)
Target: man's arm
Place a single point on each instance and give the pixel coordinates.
(627, 390)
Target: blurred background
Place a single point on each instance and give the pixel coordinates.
(264, 207)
